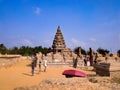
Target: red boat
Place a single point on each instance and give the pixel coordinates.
(74, 73)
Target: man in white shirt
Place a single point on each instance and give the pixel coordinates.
(45, 65)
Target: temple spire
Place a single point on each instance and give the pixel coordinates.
(58, 27)
(58, 42)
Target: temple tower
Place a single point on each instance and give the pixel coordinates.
(58, 42)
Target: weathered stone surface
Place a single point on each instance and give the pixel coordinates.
(107, 82)
(68, 84)
(107, 69)
(102, 69)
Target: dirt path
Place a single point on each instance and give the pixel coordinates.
(20, 75)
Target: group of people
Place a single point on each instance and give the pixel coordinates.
(37, 62)
(86, 61)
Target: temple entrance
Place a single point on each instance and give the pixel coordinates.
(59, 50)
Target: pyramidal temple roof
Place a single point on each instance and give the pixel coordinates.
(58, 42)
(58, 28)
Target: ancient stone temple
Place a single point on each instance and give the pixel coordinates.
(58, 42)
(60, 53)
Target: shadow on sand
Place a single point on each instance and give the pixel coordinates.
(26, 74)
(91, 75)
(28, 65)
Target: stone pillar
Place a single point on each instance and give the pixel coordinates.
(79, 51)
(91, 57)
(64, 57)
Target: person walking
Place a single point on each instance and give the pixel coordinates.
(33, 67)
(39, 66)
(33, 64)
(45, 65)
(39, 58)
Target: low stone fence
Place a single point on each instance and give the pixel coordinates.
(8, 60)
(59, 65)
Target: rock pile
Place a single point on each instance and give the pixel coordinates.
(65, 84)
(110, 82)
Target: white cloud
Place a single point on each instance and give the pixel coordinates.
(23, 42)
(47, 43)
(76, 43)
(36, 10)
(93, 39)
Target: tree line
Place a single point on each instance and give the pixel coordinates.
(24, 50)
(27, 50)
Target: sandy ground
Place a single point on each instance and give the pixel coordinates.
(19, 75)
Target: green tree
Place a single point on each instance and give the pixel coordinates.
(49, 50)
(45, 50)
(3, 49)
(103, 51)
(14, 50)
(118, 52)
(24, 50)
(37, 49)
(82, 50)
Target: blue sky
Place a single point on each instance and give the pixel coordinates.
(85, 23)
